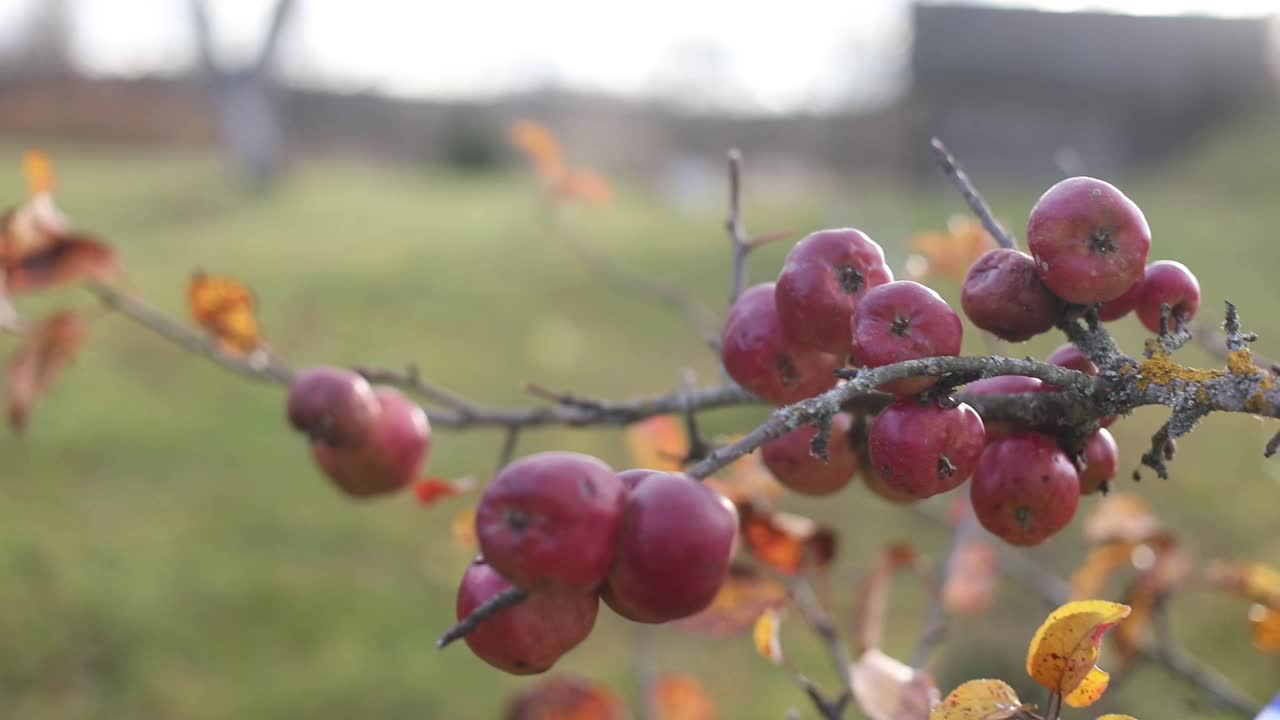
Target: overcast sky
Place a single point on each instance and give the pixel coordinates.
(794, 55)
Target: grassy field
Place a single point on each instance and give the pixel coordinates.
(168, 551)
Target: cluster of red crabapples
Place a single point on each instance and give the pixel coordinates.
(835, 304)
(656, 546)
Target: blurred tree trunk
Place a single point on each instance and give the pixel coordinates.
(243, 100)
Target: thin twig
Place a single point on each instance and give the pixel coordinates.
(494, 605)
(508, 450)
(935, 626)
(738, 239)
(977, 204)
(819, 620)
(411, 379)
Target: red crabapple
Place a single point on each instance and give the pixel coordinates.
(529, 637)
(1168, 282)
(789, 460)
(1025, 489)
(1003, 295)
(1090, 242)
(549, 521)
(876, 484)
(392, 454)
(1101, 457)
(631, 478)
(1003, 385)
(1121, 306)
(757, 353)
(1070, 357)
(673, 549)
(922, 449)
(823, 278)
(331, 405)
(904, 320)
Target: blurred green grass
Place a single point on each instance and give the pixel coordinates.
(167, 549)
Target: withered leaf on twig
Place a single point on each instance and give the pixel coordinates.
(46, 349)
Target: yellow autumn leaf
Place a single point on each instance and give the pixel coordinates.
(979, 700)
(1064, 651)
(765, 635)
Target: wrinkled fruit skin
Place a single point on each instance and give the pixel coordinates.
(1004, 385)
(789, 460)
(1003, 295)
(1115, 309)
(823, 278)
(550, 521)
(529, 637)
(1101, 458)
(1170, 283)
(331, 405)
(673, 551)
(1090, 242)
(904, 320)
(1025, 489)
(922, 450)
(391, 456)
(759, 356)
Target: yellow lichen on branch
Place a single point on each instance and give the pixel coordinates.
(1161, 370)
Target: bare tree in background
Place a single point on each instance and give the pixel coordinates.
(242, 98)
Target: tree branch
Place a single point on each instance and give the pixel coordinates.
(977, 204)
(738, 239)
(494, 605)
(271, 42)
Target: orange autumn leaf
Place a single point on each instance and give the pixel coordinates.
(463, 528)
(1102, 562)
(1264, 627)
(747, 480)
(1121, 517)
(886, 688)
(565, 698)
(677, 696)
(1063, 654)
(870, 605)
(224, 307)
(745, 594)
(46, 349)
(784, 541)
(979, 700)
(37, 168)
(65, 259)
(430, 490)
(1163, 564)
(1258, 582)
(949, 254)
(766, 634)
(586, 185)
(658, 443)
(540, 147)
(970, 587)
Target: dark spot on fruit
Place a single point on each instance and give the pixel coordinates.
(516, 520)
(945, 467)
(1100, 241)
(900, 325)
(1044, 478)
(588, 487)
(787, 369)
(522, 664)
(1023, 516)
(849, 278)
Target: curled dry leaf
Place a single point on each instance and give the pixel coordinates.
(677, 696)
(224, 306)
(1102, 562)
(565, 698)
(47, 348)
(1063, 654)
(1121, 517)
(872, 594)
(747, 480)
(1264, 626)
(979, 700)
(886, 688)
(784, 541)
(766, 634)
(746, 594)
(1162, 564)
(463, 528)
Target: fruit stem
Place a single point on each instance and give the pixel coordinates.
(494, 605)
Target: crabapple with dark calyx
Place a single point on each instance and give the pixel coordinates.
(392, 454)
(758, 355)
(550, 521)
(821, 282)
(1089, 241)
(904, 320)
(922, 448)
(1025, 489)
(1168, 282)
(790, 460)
